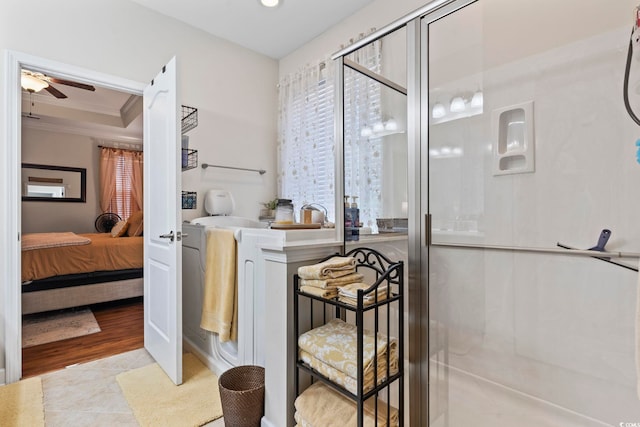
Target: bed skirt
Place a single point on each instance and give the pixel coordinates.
(41, 296)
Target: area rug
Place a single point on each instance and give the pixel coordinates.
(21, 403)
(43, 328)
(156, 401)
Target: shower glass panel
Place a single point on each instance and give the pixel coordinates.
(530, 149)
(375, 142)
(392, 57)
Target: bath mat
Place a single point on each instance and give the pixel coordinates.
(42, 328)
(21, 403)
(156, 401)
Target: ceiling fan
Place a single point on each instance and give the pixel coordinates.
(33, 81)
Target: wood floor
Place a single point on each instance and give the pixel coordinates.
(122, 329)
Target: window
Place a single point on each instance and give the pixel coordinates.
(121, 181)
(363, 157)
(306, 149)
(306, 146)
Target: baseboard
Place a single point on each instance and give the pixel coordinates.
(218, 367)
(264, 422)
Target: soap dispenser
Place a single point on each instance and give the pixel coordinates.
(355, 212)
(348, 222)
(351, 219)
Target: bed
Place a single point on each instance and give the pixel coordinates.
(62, 270)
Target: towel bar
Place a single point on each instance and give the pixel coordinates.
(564, 251)
(207, 165)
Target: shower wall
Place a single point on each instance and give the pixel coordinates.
(555, 329)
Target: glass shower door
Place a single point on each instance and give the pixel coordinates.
(530, 152)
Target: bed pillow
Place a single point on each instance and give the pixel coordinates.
(119, 229)
(135, 224)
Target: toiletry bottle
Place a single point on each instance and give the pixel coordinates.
(284, 212)
(355, 211)
(348, 222)
(355, 217)
(348, 219)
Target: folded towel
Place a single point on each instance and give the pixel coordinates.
(348, 382)
(329, 283)
(348, 294)
(220, 303)
(336, 266)
(319, 406)
(335, 343)
(319, 292)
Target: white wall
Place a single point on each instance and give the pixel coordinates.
(378, 14)
(233, 88)
(61, 149)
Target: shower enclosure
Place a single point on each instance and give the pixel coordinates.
(519, 155)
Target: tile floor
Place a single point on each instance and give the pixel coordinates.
(88, 394)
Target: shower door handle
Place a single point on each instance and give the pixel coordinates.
(427, 229)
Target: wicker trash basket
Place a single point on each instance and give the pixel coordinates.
(242, 396)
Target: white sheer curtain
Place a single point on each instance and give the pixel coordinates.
(306, 146)
(306, 167)
(362, 149)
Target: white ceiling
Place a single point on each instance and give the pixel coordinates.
(104, 113)
(274, 32)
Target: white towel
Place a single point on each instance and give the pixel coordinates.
(638, 335)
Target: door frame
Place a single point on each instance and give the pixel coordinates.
(10, 263)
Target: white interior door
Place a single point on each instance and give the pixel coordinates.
(162, 233)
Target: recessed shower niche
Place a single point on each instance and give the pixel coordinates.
(513, 147)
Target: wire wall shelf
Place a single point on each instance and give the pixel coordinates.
(189, 118)
(189, 159)
(189, 200)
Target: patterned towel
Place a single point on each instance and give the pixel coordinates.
(335, 344)
(351, 383)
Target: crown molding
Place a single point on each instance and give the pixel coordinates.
(92, 132)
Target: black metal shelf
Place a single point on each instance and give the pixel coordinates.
(387, 273)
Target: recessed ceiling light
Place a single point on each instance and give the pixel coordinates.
(270, 3)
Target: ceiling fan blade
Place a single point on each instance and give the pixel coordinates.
(55, 92)
(70, 83)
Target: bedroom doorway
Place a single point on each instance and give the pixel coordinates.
(70, 313)
(11, 248)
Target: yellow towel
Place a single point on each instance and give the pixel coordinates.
(351, 383)
(335, 343)
(318, 405)
(330, 283)
(319, 292)
(220, 304)
(336, 266)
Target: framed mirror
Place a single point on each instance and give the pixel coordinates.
(45, 183)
